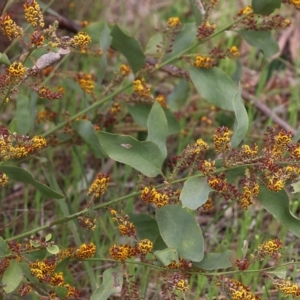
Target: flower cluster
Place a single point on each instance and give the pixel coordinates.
(222, 140)
(269, 248)
(141, 87)
(80, 41)
(3, 179)
(125, 226)
(287, 287)
(151, 195)
(37, 39)
(14, 146)
(45, 115)
(9, 28)
(98, 187)
(84, 251)
(205, 30)
(204, 62)
(45, 93)
(86, 82)
(33, 13)
(174, 22)
(45, 271)
(161, 99)
(125, 70)
(16, 70)
(87, 223)
(250, 190)
(236, 289)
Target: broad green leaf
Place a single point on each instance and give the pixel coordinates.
(265, 7)
(105, 41)
(61, 292)
(4, 59)
(62, 265)
(280, 272)
(180, 230)
(4, 250)
(167, 256)
(142, 156)
(147, 228)
(93, 29)
(217, 87)
(140, 112)
(215, 261)
(12, 276)
(129, 47)
(154, 41)
(87, 132)
(262, 40)
(195, 192)
(185, 37)
(241, 119)
(158, 128)
(296, 187)
(22, 175)
(23, 120)
(54, 249)
(196, 11)
(178, 96)
(277, 204)
(48, 237)
(112, 283)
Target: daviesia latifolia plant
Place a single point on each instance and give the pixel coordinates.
(172, 187)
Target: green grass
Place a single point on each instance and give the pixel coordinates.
(70, 169)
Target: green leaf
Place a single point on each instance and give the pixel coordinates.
(22, 175)
(296, 187)
(158, 128)
(180, 230)
(12, 276)
(147, 228)
(215, 261)
(262, 40)
(62, 265)
(195, 192)
(61, 292)
(277, 204)
(196, 11)
(280, 272)
(94, 29)
(4, 250)
(23, 120)
(54, 249)
(167, 256)
(154, 41)
(140, 112)
(142, 156)
(129, 47)
(105, 42)
(4, 59)
(112, 283)
(48, 237)
(185, 37)
(241, 121)
(217, 87)
(265, 7)
(178, 96)
(87, 132)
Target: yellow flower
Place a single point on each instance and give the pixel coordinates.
(84, 251)
(16, 70)
(125, 70)
(174, 22)
(33, 13)
(145, 246)
(9, 28)
(81, 40)
(204, 62)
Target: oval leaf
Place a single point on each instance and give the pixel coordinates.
(86, 131)
(112, 283)
(12, 276)
(180, 230)
(158, 128)
(23, 121)
(265, 7)
(4, 59)
(142, 156)
(129, 47)
(277, 204)
(167, 256)
(262, 40)
(217, 87)
(54, 249)
(195, 192)
(215, 261)
(22, 175)
(4, 250)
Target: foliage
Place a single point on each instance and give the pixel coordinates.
(123, 117)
